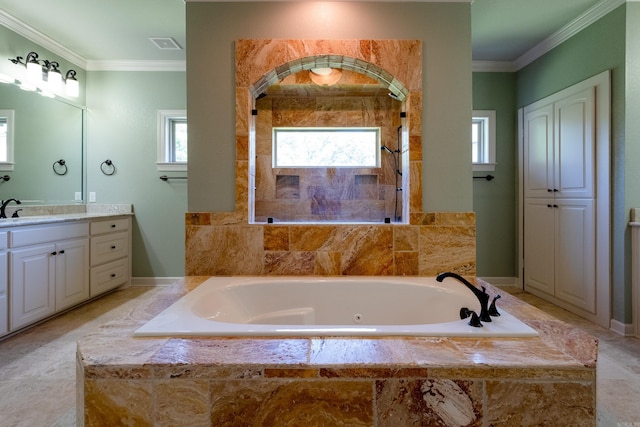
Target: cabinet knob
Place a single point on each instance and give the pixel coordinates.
(113, 275)
(113, 226)
(113, 246)
(61, 252)
(555, 206)
(549, 190)
(549, 206)
(54, 253)
(555, 190)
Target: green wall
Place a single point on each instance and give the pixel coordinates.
(444, 29)
(122, 127)
(599, 47)
(496, 202)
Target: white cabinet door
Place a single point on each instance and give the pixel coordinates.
(32, 291)
(574, 145)
(538, 151)
(72, 273)
(4, 300)
(575, 253)
(539, 242)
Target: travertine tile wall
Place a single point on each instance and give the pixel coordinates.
(225, 243)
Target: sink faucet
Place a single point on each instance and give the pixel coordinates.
(3, 207)
(482, 295)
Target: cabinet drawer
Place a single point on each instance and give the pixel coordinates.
(101, 227)
(109, 247)
(24, 236)
(3, 240)
(109, 276)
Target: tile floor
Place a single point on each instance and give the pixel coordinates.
(37, 367)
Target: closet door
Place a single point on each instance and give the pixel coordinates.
(538, 150)
(574, 145)
(575, 252)
(539, 236)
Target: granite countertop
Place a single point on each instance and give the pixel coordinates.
(34, 215)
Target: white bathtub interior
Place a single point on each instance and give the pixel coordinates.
(328, 306)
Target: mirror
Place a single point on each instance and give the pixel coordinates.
(351, 101)
(46, 130)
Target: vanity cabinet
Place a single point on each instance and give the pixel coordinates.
(50, 267)
(4, 285)
(48, 270)
(110, 254)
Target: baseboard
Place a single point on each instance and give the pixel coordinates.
(153, 281)
(624, 329)
(501, 281)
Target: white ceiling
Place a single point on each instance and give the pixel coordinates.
(98, 34)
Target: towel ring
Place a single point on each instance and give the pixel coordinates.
(61, 169)
(109, 164)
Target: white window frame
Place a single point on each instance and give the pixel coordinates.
(375, 147)
(8, 165)
(164, 119)
(487, 146)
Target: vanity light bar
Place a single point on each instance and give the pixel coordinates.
(45, 75)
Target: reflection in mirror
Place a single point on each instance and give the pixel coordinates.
(45, 130)
(329, 194)
(6, 140)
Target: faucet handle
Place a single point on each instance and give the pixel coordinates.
(475, 320)
(493, 311)
(15, 213)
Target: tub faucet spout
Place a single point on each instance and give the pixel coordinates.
(482, 295)
(4, 204)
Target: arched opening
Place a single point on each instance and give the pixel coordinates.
(364, 98)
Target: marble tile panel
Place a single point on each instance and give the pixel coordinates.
(242, 147)
(438, 402)
(414, 113)
(362, 352)
(294, 112)
(415, 189)
(182, 403)
(406, 238)
(291, 373)
(229, 218)
(415, 148)
(455, 219)
(118, 402)
(575, 342)
(289, 263)
(373, 372)
(403, 58)
(328, 264)
(206, 371)
(276, 238)
(34, 403)
(219, 250)
(312, 237)
(257, 56)
(234, 351)
(406, 264)
(268, 403)
(243, 108)
(366, 250)
(540, 403)
(447, 249)
(242, 186)
(501, 352)
(304, 48)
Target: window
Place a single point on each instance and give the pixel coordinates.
(326, 147)
(6, 140)
(172, 140)
(483, 140)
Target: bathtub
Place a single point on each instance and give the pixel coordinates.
(328, 306)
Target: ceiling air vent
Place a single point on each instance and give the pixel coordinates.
(165, 43)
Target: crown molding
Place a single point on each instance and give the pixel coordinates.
(134, 65)
(493, 66)
(37, 37)
(590, 16)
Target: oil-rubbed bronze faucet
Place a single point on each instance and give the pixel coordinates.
(482, 295)
(3, 207)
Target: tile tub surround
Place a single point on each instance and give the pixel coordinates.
(223, 244)
(548, 380)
